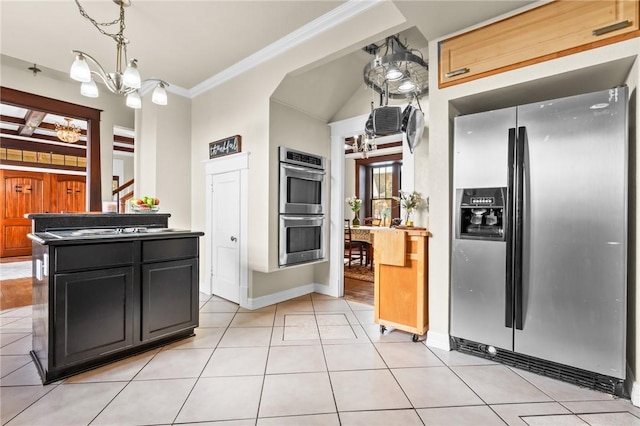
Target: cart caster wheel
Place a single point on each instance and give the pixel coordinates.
(382, 329)
(414, 338)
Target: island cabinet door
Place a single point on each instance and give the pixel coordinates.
(169, 297)
(93, 314)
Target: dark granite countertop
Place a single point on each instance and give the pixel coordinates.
(42, 222)
(81, 228)
(70, 237)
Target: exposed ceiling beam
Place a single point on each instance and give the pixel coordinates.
(11, 120)
(32, 120)
(123, 139)
(38, 137)
(123, 149)
(22, 145)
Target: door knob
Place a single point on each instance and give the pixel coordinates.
(234, 239)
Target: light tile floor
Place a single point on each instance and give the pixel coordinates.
(315, 360)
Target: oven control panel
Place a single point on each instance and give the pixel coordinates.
(288, 155)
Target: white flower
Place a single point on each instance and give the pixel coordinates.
(354, 203)
(408, 201)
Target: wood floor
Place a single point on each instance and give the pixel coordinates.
(358, 291)
(17, 292)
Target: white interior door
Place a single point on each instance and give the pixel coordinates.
(225, 241)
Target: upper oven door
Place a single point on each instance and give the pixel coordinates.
(301, 190)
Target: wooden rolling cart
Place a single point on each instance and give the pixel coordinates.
(401, 280)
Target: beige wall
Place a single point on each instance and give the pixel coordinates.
(54, 84)
(291, 129)
(242, 106)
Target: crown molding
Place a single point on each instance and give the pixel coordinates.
(335, 17)
(148, 86)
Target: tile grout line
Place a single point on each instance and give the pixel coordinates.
(195, 383)
(324, 356)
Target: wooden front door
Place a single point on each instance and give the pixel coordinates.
(70, 194)
(22, 193)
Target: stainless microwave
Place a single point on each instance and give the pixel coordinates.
(302, 183)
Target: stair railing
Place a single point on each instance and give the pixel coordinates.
(121, 200)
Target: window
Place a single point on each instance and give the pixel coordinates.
(381, 191)
(378, 180)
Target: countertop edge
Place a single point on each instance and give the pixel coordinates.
(39, 238)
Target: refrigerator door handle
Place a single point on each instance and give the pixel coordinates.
(521, 143)
(508, 309)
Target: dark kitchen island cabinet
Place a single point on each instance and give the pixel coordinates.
(169, 287)
(99, 298)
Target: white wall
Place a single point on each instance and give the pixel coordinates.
(54, 84)
(349, 184)
(124, 167)
(163, 157)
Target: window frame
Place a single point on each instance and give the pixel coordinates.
(364, 169)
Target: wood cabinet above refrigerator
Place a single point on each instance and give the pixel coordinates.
(555, 29)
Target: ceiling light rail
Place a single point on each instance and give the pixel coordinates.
(399, 73)
(125, 80)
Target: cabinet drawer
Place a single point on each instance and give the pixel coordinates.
(93, 256)
(169, 249)
(552, 30)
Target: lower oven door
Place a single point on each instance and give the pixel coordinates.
(301, 239)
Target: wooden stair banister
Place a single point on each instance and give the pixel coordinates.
(122, 200)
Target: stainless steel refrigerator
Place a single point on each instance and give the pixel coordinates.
(539, 252)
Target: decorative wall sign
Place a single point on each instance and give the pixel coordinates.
(226, 146)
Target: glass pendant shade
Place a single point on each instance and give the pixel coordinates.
(407, 85)
(89, 89)
(80, 70)
(159, 96)
(394, 73)
(134, 100)
(125, 80)
(131, 76)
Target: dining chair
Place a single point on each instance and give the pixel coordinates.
(353, 250)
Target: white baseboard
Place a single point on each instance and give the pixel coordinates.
(272, 299)
(633, 387)
(438, 340)
(323, 289)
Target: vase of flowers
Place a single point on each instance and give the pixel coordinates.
(409, 201)
(355, 204)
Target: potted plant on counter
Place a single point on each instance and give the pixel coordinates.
(355, 204)
(409, 201)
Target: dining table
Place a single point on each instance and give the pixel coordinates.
(363, 233)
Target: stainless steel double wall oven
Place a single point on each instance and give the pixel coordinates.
(301, 207)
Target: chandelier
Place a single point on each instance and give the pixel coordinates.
(399, 73)
(68, 132)
(126, 78)
(364, 144)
